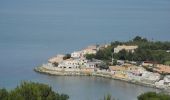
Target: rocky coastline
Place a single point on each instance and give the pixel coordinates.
(47, 71)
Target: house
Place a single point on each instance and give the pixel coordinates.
(149, 63)
(89, 51)
(69, 63)
(78, 63)
(94, 63)
(89, 67)
(82, 61)
(159, 83)
(56, 59)
(150, 77)
(162, 68)
(167, 79)
(136, 71)
(120, 62)
(76, 54)
(125, 47)
(133, 72)
(118, 72)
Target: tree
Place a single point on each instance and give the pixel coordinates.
(90, 56)
(31, 91)
(67, 56)
(139, 39)
(123, 54)
(103, 65)
(114, 62)
(3, 94)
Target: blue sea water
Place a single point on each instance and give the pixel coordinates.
(31, 31)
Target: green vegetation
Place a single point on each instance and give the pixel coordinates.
(90, 56)
(103, 65)
(55, 64)
(37, 91)
(153, 96)
(105, 54)
(31, 91)
(108, 97)
(67, 56)
(146, 96)
(167, 63)
(147, 51)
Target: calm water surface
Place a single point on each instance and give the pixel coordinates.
(31, 31)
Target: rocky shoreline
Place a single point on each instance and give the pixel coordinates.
(97, 74)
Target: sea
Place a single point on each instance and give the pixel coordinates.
(32, 31)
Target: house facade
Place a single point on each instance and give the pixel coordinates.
(167, 79)
(76, 54)
(162, 68)
(125, 47)
(69, 63)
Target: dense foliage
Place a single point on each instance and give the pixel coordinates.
(31, 91)
(147, 51)
(67, 56)
(153, 96)
(146, 96)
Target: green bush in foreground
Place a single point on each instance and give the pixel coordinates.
(31, 91)
(38, 91)
(145, 96)
(153, 96)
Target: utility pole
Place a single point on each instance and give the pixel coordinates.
(112, 58)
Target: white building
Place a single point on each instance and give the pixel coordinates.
(76, 54)
(150, 76)
(124, 47)
(90, 65)
(89, 51)
(82, 61)
(167, 79)
(82, 53)
(69, 63)
(160, 83)
(148, 63)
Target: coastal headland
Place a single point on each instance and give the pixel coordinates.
(124, 61)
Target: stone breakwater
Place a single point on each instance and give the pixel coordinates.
(105, 74)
